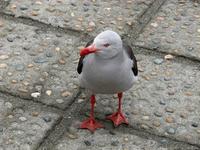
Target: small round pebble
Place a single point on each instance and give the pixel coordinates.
(194, 124)
(49, 54)
(47, 119)
(156, 123)
(65, 94)
(23, 7)
(158, 114)
(171, 130)
(126, 139)
(10, 116)
(115, 143)
(80, 100)
(61, 61)
(144, 126)
(3, 57)
(40, 60)
(145, 117)
(169, 57)
(198, 131)
(158, 61)
(163, 141)
(35, 94)
(59, 101)
(10, 39)
(87, 143)
(22, 118)
(8, 105)
(169, 109)
(19, 67)
(35, 114)
(162, 102)
(190, 48)
(72, 136)
(183, 115)
(49, 92)
(169, 119)
(3, 65)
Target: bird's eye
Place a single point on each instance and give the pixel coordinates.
(106, 45)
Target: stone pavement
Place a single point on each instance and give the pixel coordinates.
(40, 99)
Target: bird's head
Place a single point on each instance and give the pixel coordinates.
(106, 45)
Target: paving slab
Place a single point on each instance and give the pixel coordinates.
(121, 138)
(67, 135)
(89, 16)
(164, 101)
(23, 124)
(106, 140)
(27, 55)
(61, 87)
(174, 29)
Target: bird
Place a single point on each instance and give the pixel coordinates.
(107, 65)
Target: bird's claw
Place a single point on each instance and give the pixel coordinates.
(117, 118)
(91, 124)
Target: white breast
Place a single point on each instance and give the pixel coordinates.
(108, 76)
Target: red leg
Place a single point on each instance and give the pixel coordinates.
(118, 118)
(91, 123)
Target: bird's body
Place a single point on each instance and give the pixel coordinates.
(106, 66)
(107, 76)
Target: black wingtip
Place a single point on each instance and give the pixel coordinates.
(80, 63)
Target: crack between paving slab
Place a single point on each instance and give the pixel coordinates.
(60, 129)
(148, 13)
(142, 133)
(4, 4)
(31, 100)
(73, 100)
(144, 19)
(145, 13)
(57, 122)
(138, 130)
(44, 27)
(41, 25)
(194, 59)
(41, 105)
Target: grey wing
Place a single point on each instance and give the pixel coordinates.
(80, 63)
(130, 53)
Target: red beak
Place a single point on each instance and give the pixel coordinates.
(88, 50)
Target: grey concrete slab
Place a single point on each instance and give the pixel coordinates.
(61, 86)
(27, 55)
(23, 124)
(89, 16)
(175, 29)
(164, 101)
(67, 135)
(121, 138)
(103, 139)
